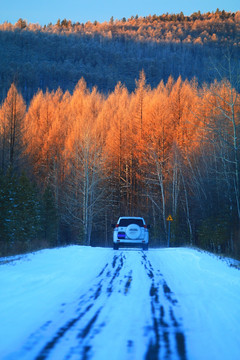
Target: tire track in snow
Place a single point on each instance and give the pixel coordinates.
(87, 301)
(168, 341)
(128, 283)
(77, 336)
(89, 332)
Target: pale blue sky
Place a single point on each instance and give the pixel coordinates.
(46, 11)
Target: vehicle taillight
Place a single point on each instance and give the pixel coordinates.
(117, 226)
(145, 226)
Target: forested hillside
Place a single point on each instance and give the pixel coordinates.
(74, 157)
(37, 57)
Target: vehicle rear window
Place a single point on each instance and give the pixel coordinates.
(126, 222)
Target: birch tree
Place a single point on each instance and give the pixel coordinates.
(117, 147)
(83, 158)
(158, 142)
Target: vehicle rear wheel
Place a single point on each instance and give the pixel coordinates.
(115, 246)
(145, 247)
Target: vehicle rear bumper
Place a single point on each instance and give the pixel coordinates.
(130, 242)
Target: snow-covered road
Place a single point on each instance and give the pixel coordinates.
(93, 303)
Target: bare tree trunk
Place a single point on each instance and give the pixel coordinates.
(187, 208)
(160, 180)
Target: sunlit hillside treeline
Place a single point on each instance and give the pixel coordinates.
(40, 57)
(218, 26)
(92, 157)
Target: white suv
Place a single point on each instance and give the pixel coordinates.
(130, 231)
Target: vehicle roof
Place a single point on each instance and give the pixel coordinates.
(130, 217)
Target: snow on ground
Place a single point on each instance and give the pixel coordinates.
(208, 291)
(176, 303)
(35, 286)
